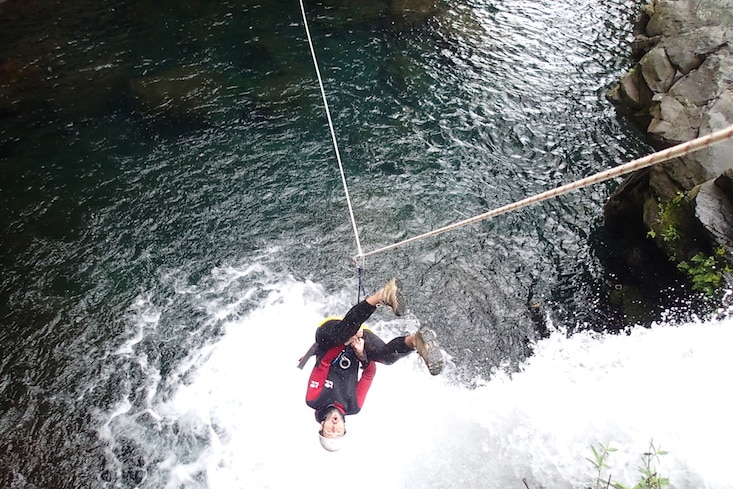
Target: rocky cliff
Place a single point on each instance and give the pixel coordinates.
(680, 87)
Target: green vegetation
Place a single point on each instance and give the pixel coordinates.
(649, 477)
(599, 463)
(669, 219)
(706, 272)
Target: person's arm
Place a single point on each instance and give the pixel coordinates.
(334, 332)
(370, 369)
(365, 382)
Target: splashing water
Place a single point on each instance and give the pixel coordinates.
(236, 415)
(154, 151)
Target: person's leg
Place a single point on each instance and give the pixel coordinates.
(386, 353)
(338, 332)
(424, 341)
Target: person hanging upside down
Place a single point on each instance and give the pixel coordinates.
(335, 388)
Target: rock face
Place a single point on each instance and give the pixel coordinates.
(680, 88)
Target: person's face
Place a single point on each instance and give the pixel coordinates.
(334, 425)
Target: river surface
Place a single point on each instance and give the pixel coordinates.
(174, 225)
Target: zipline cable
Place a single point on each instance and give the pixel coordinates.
(333, 132)
(652, 159)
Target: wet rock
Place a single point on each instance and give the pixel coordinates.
(673, 122)
(689, 49)
(632, 97)
(642, 44)
(688, 59)
(714, 208)
(679, 175)
(657, 70)
(725, 182)
(679, 90)
(717, 159)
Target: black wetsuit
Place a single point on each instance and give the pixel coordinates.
(335, 379)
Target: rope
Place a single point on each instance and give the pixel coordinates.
(652, 159)
(330, 126)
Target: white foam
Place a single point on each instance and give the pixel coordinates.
(246, 398)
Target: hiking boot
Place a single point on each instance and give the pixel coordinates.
(392, 297)
(426, 344)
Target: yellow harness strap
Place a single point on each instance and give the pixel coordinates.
(339, 318)
(312, 350)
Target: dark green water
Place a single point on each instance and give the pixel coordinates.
(145, 145)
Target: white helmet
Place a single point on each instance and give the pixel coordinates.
(331, 444)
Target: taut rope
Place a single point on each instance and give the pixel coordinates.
(652, 159)
(333, 132)
(638, 164)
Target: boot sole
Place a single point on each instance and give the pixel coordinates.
(433, 356)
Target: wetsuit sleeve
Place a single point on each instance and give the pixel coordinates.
(364, 383)
(337, 332)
